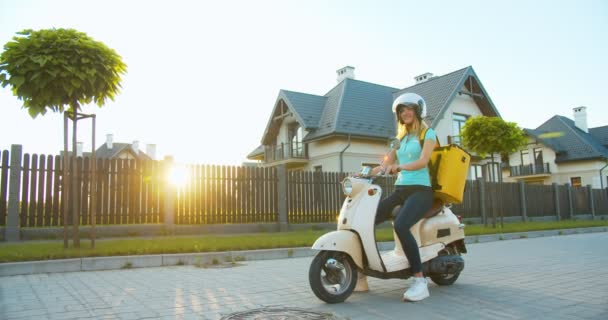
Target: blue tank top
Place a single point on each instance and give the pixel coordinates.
(410, 151)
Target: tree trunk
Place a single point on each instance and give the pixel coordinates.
(64, 181)
(75, 204)
(93, 187)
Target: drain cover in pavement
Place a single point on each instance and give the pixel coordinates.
(280, 314)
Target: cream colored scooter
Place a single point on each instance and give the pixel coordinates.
(349, 254)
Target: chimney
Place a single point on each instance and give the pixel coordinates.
(79, 149)
(580, 118)
(135, 147)
(423, 77)
(109, 141)
(345, 72)
(151, 151)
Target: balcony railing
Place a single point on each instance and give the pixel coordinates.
(530, 170)
(286, 151)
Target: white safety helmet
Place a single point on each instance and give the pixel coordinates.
(411, 99)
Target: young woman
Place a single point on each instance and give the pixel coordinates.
(413, 186)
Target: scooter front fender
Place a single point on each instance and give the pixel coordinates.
(343, 241)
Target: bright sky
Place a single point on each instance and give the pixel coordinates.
(203, 76)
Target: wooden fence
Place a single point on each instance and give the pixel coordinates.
(128, 191)
(135, 192)
(227, 194)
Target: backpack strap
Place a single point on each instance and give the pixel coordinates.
(423, 135)
(433, 166)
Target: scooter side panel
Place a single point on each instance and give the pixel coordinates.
(343, 241)
(443, 227)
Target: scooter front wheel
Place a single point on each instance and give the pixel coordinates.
(332, 276)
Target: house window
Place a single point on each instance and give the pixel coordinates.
(458, 121)
(475, 172)
(524, 154)
(318, 168)
(295, 136)
(576, 181)
(538, 156)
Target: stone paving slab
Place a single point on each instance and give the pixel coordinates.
(558, 277)
(206, 258)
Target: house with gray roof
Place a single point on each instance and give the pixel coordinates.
(351, 124)
(562, 151)
(120, 150)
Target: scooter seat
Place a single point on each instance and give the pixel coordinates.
(435, 209)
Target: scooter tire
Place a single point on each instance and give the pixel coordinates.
(444, 279)
(316, 282)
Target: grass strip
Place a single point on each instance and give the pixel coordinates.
(47, 250)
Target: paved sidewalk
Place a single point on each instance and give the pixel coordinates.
(560, 277)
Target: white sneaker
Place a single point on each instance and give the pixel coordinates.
(418, 291)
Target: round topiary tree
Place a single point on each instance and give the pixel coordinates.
(492, 135)
(52, 69)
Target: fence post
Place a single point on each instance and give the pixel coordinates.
(522, 199)
(591, 204)
(556, 201)
(282, 197)
(482, 200)
(570, 202)
(12, 231)
(169, 193)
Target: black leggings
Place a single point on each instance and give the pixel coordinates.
(415, 201)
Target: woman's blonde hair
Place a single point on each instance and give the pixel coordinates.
(402, 131)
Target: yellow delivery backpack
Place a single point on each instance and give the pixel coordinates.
(448, 169)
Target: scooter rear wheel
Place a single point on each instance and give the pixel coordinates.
(449, 278)
(444, 279)
(332, 276)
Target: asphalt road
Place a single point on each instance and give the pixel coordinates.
(560, 277)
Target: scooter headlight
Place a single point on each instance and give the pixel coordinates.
(347, 187)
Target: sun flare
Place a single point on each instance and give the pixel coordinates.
(178, 175)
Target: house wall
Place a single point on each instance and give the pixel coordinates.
(283, 136)
(515, 160)
(326, 153)
(548, 155)
(462, 104)
(589, 171)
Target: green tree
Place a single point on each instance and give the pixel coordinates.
(492, 135)
(52, 69)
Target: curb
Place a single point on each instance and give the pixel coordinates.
(212, 258)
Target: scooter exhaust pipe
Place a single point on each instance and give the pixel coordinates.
(444, 265)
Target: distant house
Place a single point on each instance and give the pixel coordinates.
(350, 125)
(118, 150)
(562, 151)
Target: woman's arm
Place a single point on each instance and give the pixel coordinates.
(388, 160)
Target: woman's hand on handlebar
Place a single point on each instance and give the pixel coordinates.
(393, 169)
